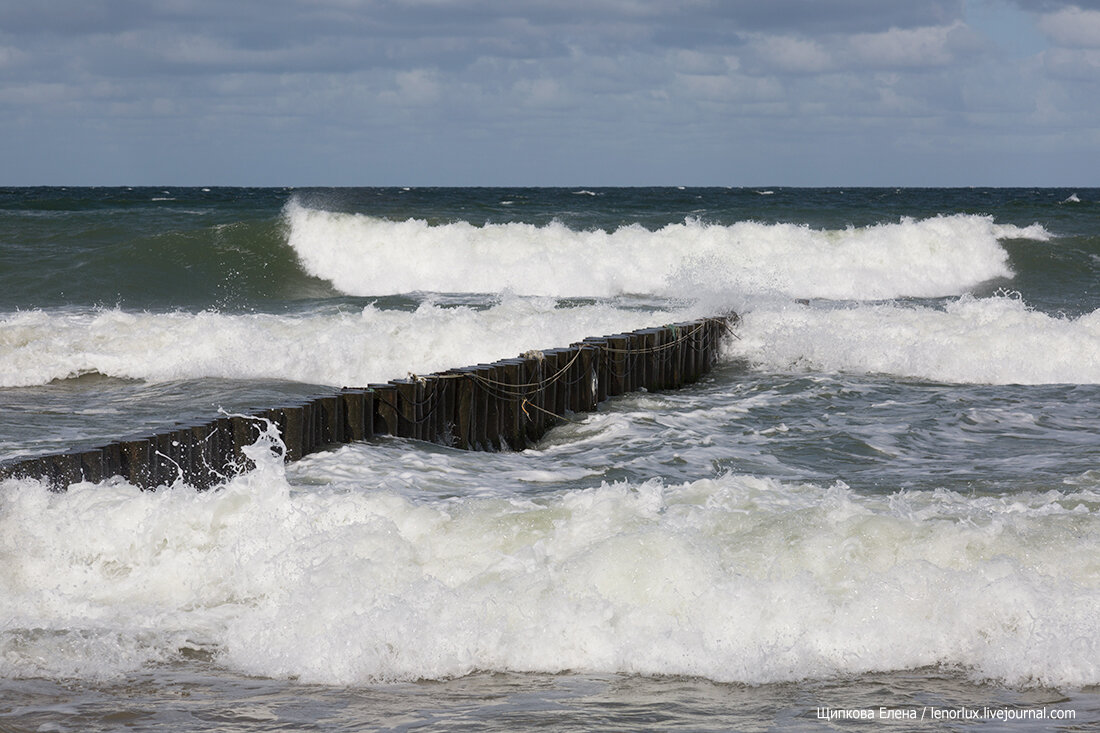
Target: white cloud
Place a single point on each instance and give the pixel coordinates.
(10, 56)
(418, 86)
(541, 92)
(1072, 27)
(910, 47)
(791, 54)
(697, 62)
(35, 93)
(1073, 63)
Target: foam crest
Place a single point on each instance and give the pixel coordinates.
(997, 340)
(334, 348)
(363, 255)
(733, 579)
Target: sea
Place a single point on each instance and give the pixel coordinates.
(880, 510)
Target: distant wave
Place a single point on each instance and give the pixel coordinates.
(368, 256)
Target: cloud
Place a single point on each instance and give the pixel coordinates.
(418, 86)
(914, 47)
(815, 17)
(1075, 55)
(790, 54)
(1072, 27)
(9, 56)
(696, 82)
(1081, 64)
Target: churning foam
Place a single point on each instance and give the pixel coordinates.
(733, 579)
(996, 340)
(364, 255)
(335, 348)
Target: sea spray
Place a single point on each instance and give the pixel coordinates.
(124, 578)
(736, 578)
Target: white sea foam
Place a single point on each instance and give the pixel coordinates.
(334, 348)
(362, 255)
(735, 579)
(996, 340)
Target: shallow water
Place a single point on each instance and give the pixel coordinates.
(198, 696)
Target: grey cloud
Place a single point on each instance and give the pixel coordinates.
(132, 39)
(1049, 6)
(532, 28)
(1072, 28)
(421, 77)
(839, 16)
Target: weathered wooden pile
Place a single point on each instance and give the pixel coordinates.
(506, 405)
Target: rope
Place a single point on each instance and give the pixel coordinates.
(525, 403)
(603, 345)
(660, 347)
(530, 385)
(523, 390)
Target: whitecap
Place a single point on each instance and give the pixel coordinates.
(734, 579)
(368, 256)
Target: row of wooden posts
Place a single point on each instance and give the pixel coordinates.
(506, 405)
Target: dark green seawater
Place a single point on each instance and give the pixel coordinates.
(884, 501)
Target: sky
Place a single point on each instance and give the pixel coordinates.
(550, 92)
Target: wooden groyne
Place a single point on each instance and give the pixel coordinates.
(506, 405)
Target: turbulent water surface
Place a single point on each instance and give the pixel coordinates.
(884, 500)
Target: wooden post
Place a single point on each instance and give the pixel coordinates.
(431, 389)
(330, 418)
(405, 404)
(297, 432)
(559, 371)
(587, 383)
(447, 387)
(63, 469)
(385, 408)
(676, 359)
(356, 415)
(112, 460)
(466, 428)
(135, 455)
(314, 430)
(491, 396)
(200, 461)
(487, 407)
(91, 465)
(513, 428)
(636, 362)
(616, 365)
(534, 394)
(601, 364)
